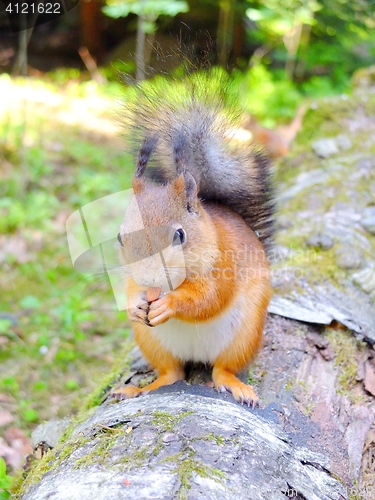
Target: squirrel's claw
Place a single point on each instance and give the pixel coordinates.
(227, 381)
(244, 394)
(138, 308)
(138, 314)
(160, 311)
(127, 392)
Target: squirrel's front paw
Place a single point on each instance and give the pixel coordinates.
(160, 311)
(138, 309)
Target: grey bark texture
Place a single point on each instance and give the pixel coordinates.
(324, 265)
(314, 436)
(204, 448)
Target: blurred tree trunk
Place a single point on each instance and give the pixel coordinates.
(292, 42)
(91, 33)
(303, 50)
(140, 51)
(224, 38)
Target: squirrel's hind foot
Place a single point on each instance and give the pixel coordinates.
(130, 391)
(168, 378)
(226, 381)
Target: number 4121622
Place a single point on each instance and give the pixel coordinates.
(32, 8)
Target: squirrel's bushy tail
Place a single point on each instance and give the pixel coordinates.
(238, 177)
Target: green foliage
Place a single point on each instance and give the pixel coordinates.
(66, 327)
(5, 326)
(148, 10)
(320, 43)
(5, 481)
(30, 302)
(270, 97)
(278, 18)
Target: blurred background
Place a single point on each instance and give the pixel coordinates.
(286, 50)
(61, 92)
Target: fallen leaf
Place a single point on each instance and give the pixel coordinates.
(15, 246)
(5, 398)
(10, 455)
(369, 381)
(128, 430)
(19, 442)
(5, 418)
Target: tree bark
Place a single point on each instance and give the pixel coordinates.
(185, 442)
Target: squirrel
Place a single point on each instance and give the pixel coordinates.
(194, 243)
(276, 142)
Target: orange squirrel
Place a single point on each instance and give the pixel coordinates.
(277, 141)
(197, 276)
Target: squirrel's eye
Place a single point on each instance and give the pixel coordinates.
(119, 239)
(179, 237)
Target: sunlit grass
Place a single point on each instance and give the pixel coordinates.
(59, 330)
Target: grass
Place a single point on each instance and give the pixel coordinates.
(59, 329)
(5, 481)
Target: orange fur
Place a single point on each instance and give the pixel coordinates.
(240, 271)
(276, 141)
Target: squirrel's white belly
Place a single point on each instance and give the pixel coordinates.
(201, 341)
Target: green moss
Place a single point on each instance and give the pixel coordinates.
(121, 367)
(166, 421)
(136, 459)
(327, 119)
(158, 447)
(289, 384)
(254, 375)
(355, 492)
(66, 445)
(346, 349)
(99, 454)
(308, 409)
(146, 380)
(314, 264)
(219, 440)
(51, 460)
(187, 466)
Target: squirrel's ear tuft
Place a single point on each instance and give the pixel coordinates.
(138, 184)
(191, 190)
(147, 148)
(178, 185)
(185, 184)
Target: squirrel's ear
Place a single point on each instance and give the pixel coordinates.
(185, 183)
(138, 184)
(191, 190)
(178, 185)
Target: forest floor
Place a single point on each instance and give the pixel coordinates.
(60, 329)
